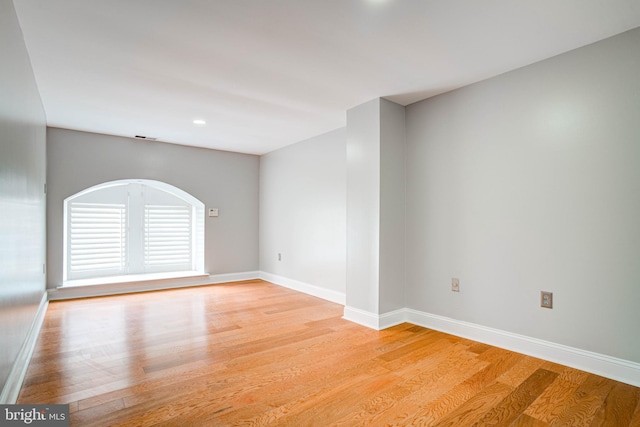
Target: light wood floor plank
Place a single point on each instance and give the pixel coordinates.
(618, 407)
(252, 353)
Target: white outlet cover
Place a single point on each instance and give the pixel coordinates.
(213, 212)
(546, 299)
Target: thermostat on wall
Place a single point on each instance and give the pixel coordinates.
(213, 212)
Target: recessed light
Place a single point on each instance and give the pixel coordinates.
(199, 122)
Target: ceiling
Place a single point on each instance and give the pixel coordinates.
(268, 73)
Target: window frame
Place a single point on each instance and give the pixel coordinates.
(135, 206)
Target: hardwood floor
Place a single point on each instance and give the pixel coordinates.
(254, 353)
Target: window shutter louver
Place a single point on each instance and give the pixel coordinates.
(97, 238)
(167, 236)
(126, 228)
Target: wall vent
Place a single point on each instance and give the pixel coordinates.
(148, 138)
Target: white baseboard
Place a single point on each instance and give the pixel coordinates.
(374, 321)
(147, 285)
(361, 317)
(14, 381)
(316, 291)
(232, 277)
(600, 364)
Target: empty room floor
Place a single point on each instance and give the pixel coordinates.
(253, 353)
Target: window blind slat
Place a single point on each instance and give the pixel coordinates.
(97, 237)
(167, 238)
(132, 227)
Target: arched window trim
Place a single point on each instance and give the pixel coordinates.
(136, 233)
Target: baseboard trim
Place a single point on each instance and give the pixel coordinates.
(392, 318)
(361, 317)
(607, 366)
(600, 364)
(16, 376)
(149, 285)
(374, 321)
(232, 277)
(296, 285)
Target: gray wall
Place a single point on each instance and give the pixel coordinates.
(303, 211)
(220, 179)
(22, 199)
(530, 181)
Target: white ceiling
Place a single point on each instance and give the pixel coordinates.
(268, 73)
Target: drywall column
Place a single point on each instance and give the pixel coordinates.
(375, 211)
(363, 210)
(392, 207)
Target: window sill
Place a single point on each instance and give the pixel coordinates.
(127, 284)
(132, 278)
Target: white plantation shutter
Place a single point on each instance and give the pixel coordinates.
(132, 227)
(167, 237)
(97, 239)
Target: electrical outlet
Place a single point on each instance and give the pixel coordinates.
(213, 212)
(455, 285)
(546, 299)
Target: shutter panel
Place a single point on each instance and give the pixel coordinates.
(131, 227)
(167, 237)
(97, 239)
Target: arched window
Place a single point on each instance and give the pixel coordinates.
(132, 226)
